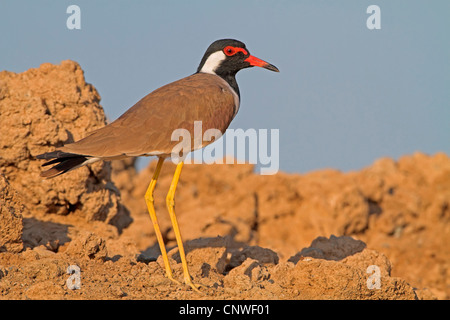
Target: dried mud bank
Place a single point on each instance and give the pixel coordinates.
(378, 233)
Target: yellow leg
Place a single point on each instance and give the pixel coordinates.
(171, 207)
(151, 210)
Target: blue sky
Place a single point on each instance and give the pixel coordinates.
(345, 96)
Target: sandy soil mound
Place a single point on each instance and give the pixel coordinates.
(400, 209)
(11, 210)
(379, 233)
(40, 110)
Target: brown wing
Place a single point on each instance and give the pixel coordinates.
(146, 128)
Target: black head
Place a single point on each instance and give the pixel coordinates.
(227, 56)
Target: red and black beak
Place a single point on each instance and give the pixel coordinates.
(256, 62)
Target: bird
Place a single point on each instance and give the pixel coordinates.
(210, 95)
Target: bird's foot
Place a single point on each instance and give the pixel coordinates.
(194, 286)
(171, 278)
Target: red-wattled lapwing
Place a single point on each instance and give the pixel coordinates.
(210, 95)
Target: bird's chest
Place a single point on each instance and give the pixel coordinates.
(220, 115)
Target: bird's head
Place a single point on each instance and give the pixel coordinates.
(228, 56)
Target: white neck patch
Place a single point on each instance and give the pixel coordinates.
(213, 62)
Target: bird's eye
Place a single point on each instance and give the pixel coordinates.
(229, 51)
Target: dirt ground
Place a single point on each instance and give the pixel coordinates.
(378, 233)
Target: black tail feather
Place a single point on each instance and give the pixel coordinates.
(58, 154)
(64, 162)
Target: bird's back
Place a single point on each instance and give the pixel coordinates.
(147, 127)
